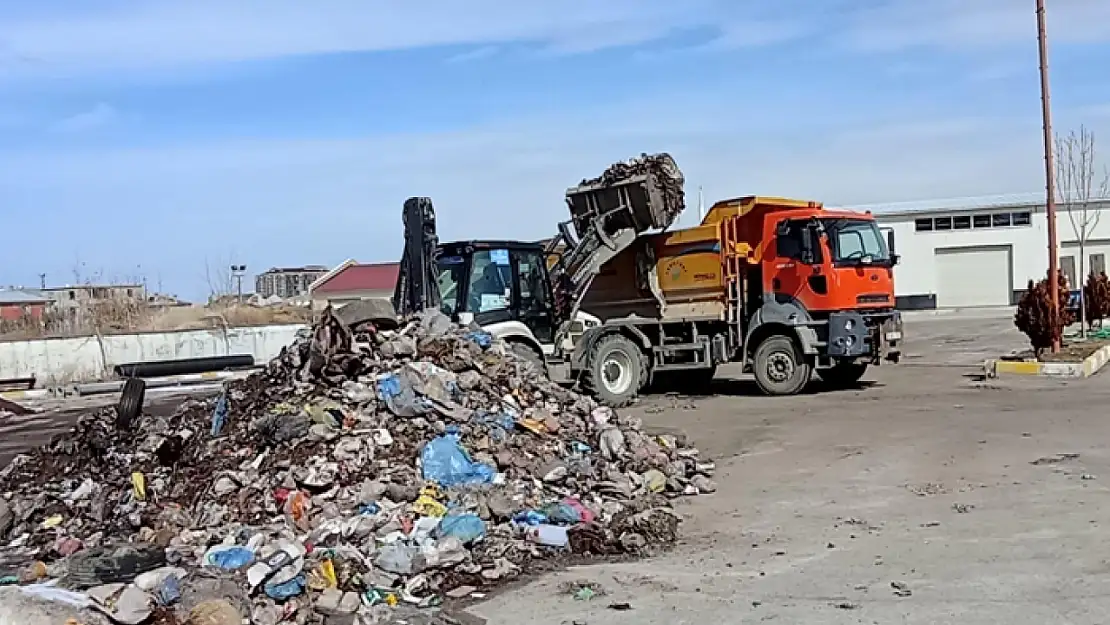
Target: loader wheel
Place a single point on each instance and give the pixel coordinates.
(842, 375)
(616, 371)
(780, 367)
(130, 404)
(526, 352)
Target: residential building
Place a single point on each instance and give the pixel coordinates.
(352, 281)
(974, 252)
(16, 304)
(85, 295)
(287, 281)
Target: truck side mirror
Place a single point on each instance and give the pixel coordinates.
(890, 247)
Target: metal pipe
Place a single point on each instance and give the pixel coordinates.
(1049, 168)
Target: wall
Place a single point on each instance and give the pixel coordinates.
(915, 278)
(13, 312)
(62, 361)
(321, 301)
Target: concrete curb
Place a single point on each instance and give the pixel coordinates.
(1087, 368)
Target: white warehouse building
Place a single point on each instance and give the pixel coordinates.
(978, 252)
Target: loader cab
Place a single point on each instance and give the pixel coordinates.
(497, 282)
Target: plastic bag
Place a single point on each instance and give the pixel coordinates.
(466, 527)
(219, 415)
(229, 557)
(399, 396)
(447, 463)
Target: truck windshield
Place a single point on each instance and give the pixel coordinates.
(856, 241)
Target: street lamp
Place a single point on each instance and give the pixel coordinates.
(237, 272)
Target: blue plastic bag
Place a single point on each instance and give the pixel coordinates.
(529, 517)
(466, 527)
(397, 394)
(219, 415)
(229, 558)
(446, 463)
(481, 338)
(286, 590)
(169, 592)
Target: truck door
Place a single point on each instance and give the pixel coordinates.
(795, 272)
(535, 294)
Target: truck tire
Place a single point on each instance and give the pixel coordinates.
(528, 353)
(130, 404)
(779, 366)
(842, 375)
(615, 371)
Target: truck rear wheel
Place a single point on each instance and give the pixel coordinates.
(615, 371)
(780, 367)
(842, 375)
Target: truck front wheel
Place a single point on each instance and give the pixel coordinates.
(616, 370)
(780, 367)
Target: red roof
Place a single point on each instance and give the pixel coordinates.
(372, 277)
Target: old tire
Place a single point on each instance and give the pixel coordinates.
(130, 404)
(529, 354)
(615, 372)
(780, 367)
(842, 375)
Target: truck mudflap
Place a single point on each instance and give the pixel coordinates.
(891, 337)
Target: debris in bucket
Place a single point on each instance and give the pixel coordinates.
(377, 472)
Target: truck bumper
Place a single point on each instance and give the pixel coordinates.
(873, 337)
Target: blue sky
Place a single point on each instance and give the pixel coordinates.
(158, 139)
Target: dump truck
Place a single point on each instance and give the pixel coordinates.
(784, 287)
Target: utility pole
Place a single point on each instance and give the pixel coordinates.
(1049, 169)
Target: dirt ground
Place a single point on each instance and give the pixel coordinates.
(923, 478)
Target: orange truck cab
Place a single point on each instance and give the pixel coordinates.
(828, 275)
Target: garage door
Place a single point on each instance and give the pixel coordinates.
(973, 276)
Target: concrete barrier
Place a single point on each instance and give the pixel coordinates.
(86, 359)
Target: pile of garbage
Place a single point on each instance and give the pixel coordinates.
(374, 472)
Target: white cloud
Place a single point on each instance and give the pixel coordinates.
(476, 54)
(973, 24)
(100, 115)
(166, 33)
(289, 201)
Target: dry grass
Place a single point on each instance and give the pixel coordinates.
(126, 317)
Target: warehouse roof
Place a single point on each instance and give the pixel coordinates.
(12, 296)
(984, 202)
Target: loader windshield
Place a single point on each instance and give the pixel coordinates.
(856, 241)
(478, 283)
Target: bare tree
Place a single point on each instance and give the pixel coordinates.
(1079, 188)
(217, 276)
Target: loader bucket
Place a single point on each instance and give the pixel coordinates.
(642, 194)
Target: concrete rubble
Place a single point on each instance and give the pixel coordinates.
(374, 473)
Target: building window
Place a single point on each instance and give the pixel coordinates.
(1022, 219)
(1098, 263)
(923, 225)
(130, 293)
(982, 221)
(1067, 265)
(961, 222)
(72, 295)
(1000, 219)
(943, 223)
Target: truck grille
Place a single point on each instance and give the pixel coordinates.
(872, 298)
